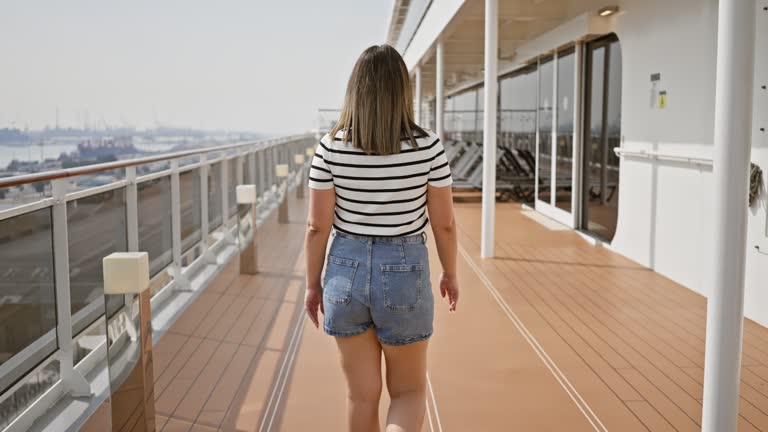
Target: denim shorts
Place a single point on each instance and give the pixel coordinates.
(381, 283)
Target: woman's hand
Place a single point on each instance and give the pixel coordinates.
(313, 300)
(449, 284)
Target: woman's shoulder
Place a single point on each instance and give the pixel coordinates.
(335, 145)
(337, 139)
(427, 138)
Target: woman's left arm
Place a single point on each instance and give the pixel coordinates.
(322, 203)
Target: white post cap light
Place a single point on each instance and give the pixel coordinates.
(126, 272)
(299, 159)
(246, 194)
(281, 170)
(310, 151)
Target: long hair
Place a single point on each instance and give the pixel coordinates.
(378, 107)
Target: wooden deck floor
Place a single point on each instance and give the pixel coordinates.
(553, 335)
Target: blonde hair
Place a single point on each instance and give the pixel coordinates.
(378, 107)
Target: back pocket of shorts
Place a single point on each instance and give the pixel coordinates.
(339, 275)
(402, 286)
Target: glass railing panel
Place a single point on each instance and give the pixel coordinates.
(97, 228)
(88, 181)
(191, 213)
(91, 337)
(152, 168)
(24, 194)
(32, 387)
(214, 196)
(190, 160)
(155, 233)
(191, 255)
(27, 295)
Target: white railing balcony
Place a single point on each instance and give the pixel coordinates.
(180, 208)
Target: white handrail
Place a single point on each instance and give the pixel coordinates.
(645, 154)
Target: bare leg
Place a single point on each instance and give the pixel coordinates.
(407, 385)
(361, 363)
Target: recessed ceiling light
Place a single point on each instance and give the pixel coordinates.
(608, 11)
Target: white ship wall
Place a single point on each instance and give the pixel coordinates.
(665, 208)
(756, 302)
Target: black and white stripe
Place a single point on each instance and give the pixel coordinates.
(380, 195)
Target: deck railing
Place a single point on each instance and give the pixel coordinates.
(51, 301)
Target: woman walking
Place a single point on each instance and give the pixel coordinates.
(377, 181)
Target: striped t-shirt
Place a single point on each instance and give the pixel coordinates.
(380, 195)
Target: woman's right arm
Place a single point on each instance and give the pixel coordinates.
(319, 225)
(440, 207)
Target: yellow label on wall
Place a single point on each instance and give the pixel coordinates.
(662, 99)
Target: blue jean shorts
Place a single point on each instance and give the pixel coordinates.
(381, 283)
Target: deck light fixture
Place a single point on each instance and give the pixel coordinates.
(608, 11)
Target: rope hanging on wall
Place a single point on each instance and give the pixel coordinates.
(755, 183)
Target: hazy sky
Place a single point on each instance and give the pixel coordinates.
(260, 65)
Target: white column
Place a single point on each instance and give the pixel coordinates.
(417, 97)
(440, 90)
(733, 135)
(489, 127)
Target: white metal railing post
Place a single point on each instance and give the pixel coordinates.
(225, 199)
(131, 216)
(180, 280)
(733, 141)
(239, 174)
(262, 172)
(239, 171)
(175, 213)
(204, 223)
(489, 127)
(251, 161)
(132, 209)
(73, 381)
(272, 164)
(224, 191)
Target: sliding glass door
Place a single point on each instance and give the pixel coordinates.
(602, 133)
(555, 135)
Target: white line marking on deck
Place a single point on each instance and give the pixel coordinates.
(288, 371)
(282, 376)
(429, 414)
(434, 404)
(528, 336)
